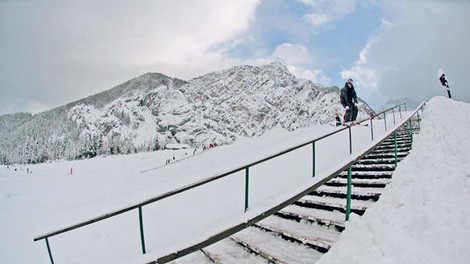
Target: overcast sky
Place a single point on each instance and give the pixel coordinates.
(54, 52)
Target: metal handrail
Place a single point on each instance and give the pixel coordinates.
(205, 181)
(249, 222)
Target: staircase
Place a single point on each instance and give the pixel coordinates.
(303, 231)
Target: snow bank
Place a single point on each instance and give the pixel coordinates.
(423, 216)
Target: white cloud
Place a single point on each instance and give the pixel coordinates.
(317, 20)
(292, 54)
(324, 12)
(362, 72)
(167, 32)
(298, 58)
(71, 49)
(401, 59)
(317, 76)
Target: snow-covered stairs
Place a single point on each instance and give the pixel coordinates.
(303, 231)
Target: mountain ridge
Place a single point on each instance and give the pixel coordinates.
(151, 110)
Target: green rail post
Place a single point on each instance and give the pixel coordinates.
(313, 159)
(348, 199)
(396, 147)
(350, 141)
(49, 250)
(419, 121)
(371, 129)
(247, 175)
(393, 111)
(411, 130)
(385, 121)
(141, 223)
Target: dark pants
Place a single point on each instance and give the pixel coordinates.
(338, 121)
(351, 114)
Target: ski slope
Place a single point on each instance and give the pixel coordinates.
(422, 216)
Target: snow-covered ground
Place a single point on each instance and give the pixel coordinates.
(422, 216)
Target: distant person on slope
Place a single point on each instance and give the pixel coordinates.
(445, 83)
(349, 100)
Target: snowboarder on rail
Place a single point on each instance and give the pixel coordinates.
(348, 99)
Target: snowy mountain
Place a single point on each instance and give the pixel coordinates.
(152, 110)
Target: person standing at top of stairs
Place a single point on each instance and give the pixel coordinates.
(348, 99)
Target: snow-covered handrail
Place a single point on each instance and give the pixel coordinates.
(245, 167)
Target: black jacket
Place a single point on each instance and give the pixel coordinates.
(443, 81)
(348, 96)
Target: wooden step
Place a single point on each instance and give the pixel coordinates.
(229, 251)
(381, 155)
(330, 219)
(357, 193)
(274, 248)
(391, 149)
(370, 183)
(318, 237)
(373, 167)
(379, 161)
(403, 147)
(366, 175)
(331, 203)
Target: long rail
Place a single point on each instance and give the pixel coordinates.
(245, 168)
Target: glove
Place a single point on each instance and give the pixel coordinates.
(347, 107)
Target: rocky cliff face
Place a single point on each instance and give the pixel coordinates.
(149, 111)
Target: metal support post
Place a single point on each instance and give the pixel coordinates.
(313, 159)
(396, 147)
(247, 175)
(348, 199)
(385, 121)
(350, 141)
(49, 250)
(411, 130)
(419, 121)
(371, 129)
(141, 223)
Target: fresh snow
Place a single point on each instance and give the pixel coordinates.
(422, 216)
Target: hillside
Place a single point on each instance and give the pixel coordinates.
(149, 111)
